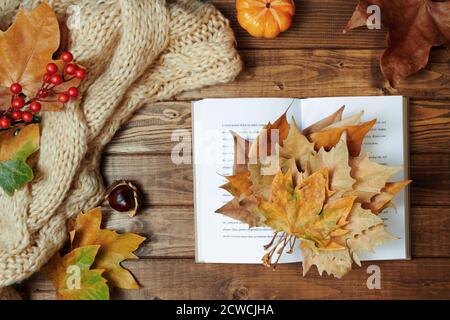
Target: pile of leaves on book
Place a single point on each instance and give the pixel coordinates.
(313, 186)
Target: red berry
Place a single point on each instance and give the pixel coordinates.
(66, 56)
(5, 123)
(80, 73)
(16, 115)
(71, 69)
(72, 92)
(18, 103)
(56, 79)
(43, 93)
(46, 77)
(35, 107)
(27, 116)
(63, 97)
(52, 68)
(16, 88)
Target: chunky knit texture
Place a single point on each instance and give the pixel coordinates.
(136, 52)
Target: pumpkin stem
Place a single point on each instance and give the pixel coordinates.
(268, 5)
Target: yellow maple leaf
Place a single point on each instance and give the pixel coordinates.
(114, 247)
(300, 210)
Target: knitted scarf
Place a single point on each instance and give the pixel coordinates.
(136, 52)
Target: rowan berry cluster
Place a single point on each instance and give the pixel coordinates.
(24, 109)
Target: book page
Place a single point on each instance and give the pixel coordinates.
(386, 145)
(220, 239)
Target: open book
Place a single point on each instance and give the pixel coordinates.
(220, 239)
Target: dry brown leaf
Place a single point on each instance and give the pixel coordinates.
(337, 162)
(346, 122)
(245, 211)
(322, 124)
(241, 150)
(264, 139)
(368, 240)
(355, 136)
(337, 263)
(370, 177)
(238, 185)
(296, 146)
(382, 200)
(414, 27)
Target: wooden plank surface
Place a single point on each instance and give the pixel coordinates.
(312, 59)
(322, 73)
(183, 279)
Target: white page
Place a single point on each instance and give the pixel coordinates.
(220, 239)
(386, 144)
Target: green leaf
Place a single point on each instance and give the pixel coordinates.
(63, 272)
(16, 146)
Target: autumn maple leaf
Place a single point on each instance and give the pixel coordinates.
(415, 26)
(114, 247)
(73, 277)
(25, 50)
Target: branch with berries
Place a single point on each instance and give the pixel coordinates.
(59, 86)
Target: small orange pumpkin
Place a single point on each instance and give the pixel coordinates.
(265, 18)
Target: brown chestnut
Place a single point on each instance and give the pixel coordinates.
(123, 196)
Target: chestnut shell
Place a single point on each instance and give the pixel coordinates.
(122, 199)
(123, 196)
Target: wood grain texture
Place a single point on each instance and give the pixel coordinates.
(152, 129)
(317, 24)
(165, 183)
(170, 231)
(323, 73)
(183, 279)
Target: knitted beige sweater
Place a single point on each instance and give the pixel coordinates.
(136, 52)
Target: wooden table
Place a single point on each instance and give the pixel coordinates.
(312, 59)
